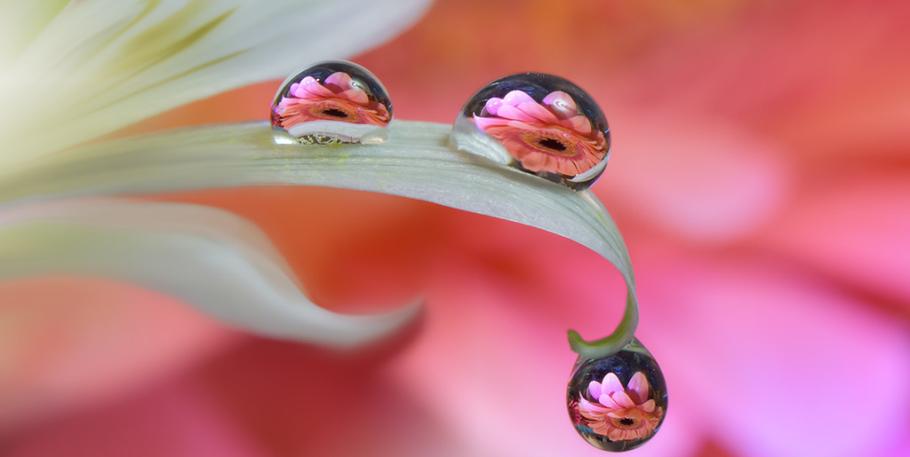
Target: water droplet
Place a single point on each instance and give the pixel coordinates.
(618, 402)
(333, 102)
(538, 123)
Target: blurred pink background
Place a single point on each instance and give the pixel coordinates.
(760, 175)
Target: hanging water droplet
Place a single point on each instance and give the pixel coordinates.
(333, 102)
(538, 123)
(618, 402)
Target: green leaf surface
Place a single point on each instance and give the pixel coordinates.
(417, 162)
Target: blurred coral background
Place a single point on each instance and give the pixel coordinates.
(761, 178)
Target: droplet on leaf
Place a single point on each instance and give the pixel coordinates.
(538, 123)
(333, 102)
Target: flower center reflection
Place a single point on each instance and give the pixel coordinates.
(551, 135)
(620, 412)
(335, 112)
(552, 144)
(338, 97)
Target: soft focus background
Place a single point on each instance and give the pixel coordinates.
(760, 175)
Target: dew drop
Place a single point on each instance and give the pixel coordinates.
(538, 123)
(617, 403)
(333, 102)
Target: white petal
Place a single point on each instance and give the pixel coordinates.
(21, 22)
(416, 162)
(212, 259)
(102, 65)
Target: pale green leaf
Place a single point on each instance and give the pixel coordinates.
(416, 162)
(218, 262)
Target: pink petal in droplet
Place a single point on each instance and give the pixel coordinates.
(608, 402)
(639, 388)
(580, 124)
(611, 384)
(310, 88)
(622, 399)
(484, 123)
(492, 106)
(356, 95)
(339, 79)
(537, 111)
(649, 406)
(594, 389)
(511, 112)
(561, 104)
(516, 97)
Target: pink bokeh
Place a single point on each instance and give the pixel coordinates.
(760, 177)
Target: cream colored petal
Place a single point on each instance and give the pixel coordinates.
(21, 22)
(213, 260)
(416, 162)
(102, 65)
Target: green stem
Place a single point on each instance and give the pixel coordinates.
(625, 330)
(613, 342)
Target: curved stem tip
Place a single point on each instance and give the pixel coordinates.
(613, 342)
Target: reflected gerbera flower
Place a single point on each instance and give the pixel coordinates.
(620, 413)
(338, 98)
(550, 136)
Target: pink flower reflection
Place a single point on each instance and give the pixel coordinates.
(759, 350)
(551, 136)
(621, 413)
(338, 98)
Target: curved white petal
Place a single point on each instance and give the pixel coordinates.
(416, 162)
(218, 262)
(101, 65)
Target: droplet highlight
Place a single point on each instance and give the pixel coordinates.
(538, 123)
(333, 102)
(617, 403)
